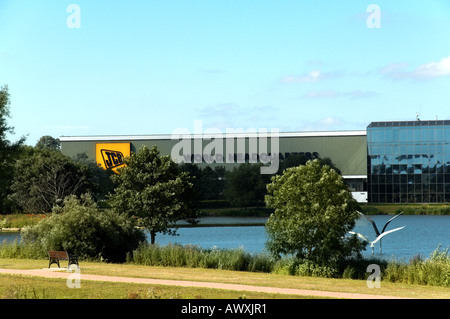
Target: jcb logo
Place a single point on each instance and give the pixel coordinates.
(112, 158)
(112, 155)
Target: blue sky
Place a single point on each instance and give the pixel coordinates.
(150, 67)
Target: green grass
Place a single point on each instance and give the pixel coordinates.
(21, 287)
(33, 287)
(434, 270)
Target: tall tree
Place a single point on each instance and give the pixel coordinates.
(46, 178)
(208, 183)
(152, 188)
(301, 159)
(49, 142)
(8, 152)
(314, 210)
(245, 185)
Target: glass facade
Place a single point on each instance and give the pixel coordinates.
(409, 162)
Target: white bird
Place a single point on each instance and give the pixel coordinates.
(377, 232)
(372, 243)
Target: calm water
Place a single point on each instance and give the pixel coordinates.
(421, 235)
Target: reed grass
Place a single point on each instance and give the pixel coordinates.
(20, 220)
(434, 271)
(175, 255)
(15, 249)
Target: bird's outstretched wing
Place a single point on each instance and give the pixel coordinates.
(390, 221)
(372, 222)
(385, 233)
(359, 235)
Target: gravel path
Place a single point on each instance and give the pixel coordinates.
(61, 273)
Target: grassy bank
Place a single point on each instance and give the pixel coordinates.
(20, 220)
(435, 270)
(29, 287)
(371, 209)
(19, 287)
(407, 209)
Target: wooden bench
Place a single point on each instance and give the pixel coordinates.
(55, 256)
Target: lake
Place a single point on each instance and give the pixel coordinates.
(421, 235)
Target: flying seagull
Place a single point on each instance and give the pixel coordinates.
(377, 232)
(372, 243)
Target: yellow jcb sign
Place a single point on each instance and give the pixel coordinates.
(111, 155)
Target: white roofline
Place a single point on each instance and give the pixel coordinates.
(208, 135)
(354, 176)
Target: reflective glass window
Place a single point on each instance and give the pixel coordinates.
(403, 169)
(395, 135)
(439, 133)
(446, 133)
(417, 134)
(403, 135)
(417, 169)
(413, 163)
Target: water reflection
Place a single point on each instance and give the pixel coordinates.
(421, 236)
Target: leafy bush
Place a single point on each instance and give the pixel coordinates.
(285, 266)
(314, 211)
(308, 268)
(80, 228)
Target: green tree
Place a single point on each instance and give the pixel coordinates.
(98, 178)
(212, 182)
(79, 228)
(8, 152)
(48, 142)
(313, 212)
(245, 185)
(46, 178)
(295, 160)
(152, 188)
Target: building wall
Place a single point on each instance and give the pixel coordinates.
(409, 162)
(347, 150)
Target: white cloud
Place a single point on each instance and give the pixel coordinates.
(313, 76)
(330, 121)
(434, 69)
(321, 94)
(426, 71)
(355, 94)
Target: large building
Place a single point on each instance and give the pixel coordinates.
(390, 162)
(409, 162)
